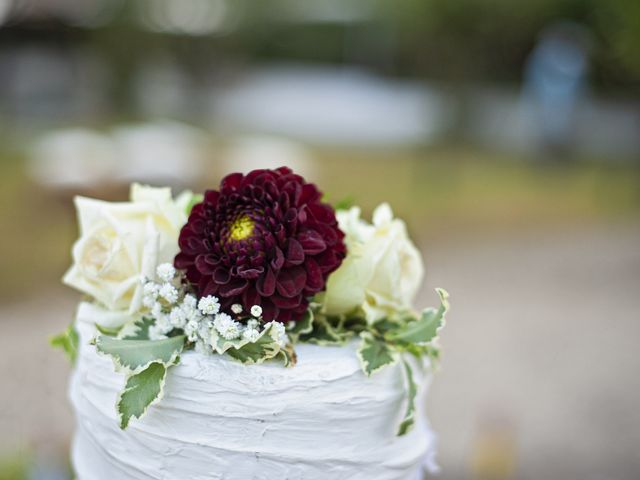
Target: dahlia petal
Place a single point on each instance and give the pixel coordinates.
(285, 316)
(234, 287)
(315, 281)
(269, 310)
(250, 273)
(221, 276)
(210, 197)
(250, 297)
(281, 235)
(183, 261)
(266, 284)
(291, 281)
(231, 181)
(203, 266)
(310, 194)
(294, 190)
(208, 287)
(286, 303)
(278, 259)
(312, 243)
(328, 261)
(295, 253)
(291, 220)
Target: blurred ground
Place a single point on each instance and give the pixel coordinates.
(540, 345)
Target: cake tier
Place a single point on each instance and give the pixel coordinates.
(322, 419)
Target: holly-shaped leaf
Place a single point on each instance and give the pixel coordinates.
(424, 329)
(412, 391)
(301, 327)
(133, 356)
(374, 353)
(141, 390)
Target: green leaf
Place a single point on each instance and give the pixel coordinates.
(345, 203)
(264, 348)
(301, 327)
(135, 355)
(195, 199)
(426, 328)
(374, 354)
(108, 331)
(141, 390)
(412, 391)
(324, 332)
(68, 341)
(138, 330)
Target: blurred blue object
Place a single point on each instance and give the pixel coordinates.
(556, 81)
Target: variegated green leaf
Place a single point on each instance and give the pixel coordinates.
(412, 390)
(138, 330)
(266, 347)
(374, 354)
(325, 333)
(426, 328)
(301, 327)
(136, 355)
(141, 390)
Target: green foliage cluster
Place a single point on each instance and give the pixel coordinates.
(384, 342)
(145, 362)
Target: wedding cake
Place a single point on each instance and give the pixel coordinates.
(256, 333)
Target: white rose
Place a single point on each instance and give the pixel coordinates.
(382, 271)
(122, 243)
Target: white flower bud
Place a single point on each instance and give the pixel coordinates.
(256, 311)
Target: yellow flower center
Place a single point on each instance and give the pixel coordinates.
(241, 228)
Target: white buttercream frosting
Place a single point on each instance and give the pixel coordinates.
(322, 419)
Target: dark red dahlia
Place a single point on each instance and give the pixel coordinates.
(265, 239)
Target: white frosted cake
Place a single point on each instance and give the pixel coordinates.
(219, 419)
(253, 332)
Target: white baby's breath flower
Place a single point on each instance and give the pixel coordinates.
(177, 317)
(190, 301)
(156, 333)
(256, 311)
(169, 293)
(209, 305)
(226, 326)
(281, 333)
(191, 330)
(151, 289)
(251, 334)
(204, 330)
(156, 310)
(166, 272)
(163, 323)
(148, 301)
(252, 324)
(236, 308)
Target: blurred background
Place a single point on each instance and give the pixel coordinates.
(506, 133)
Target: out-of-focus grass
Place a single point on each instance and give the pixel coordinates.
(37, 230)
(443, 192)
(14, 467)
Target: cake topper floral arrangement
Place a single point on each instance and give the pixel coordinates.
(248, 271)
